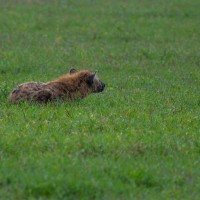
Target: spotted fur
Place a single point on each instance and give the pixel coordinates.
(72, 86)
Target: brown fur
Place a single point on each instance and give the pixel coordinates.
(72, 86)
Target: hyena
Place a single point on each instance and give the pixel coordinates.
(72, 86)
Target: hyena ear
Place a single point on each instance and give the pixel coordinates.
(72, 71)
(91, 79)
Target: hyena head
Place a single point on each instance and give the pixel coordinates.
(91, 80)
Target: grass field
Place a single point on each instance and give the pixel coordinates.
(140, 139)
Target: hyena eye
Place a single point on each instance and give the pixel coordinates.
(90, 80)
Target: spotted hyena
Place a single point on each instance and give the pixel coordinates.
(72, 86)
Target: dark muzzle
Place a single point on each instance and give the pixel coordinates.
(102, 86)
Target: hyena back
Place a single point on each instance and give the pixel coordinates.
(72, 86)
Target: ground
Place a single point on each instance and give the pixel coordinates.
(140, 139)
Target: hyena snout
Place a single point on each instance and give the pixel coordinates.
(101, 87)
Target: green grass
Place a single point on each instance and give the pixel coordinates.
(140, 139)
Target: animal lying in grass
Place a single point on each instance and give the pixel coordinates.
(72, 86)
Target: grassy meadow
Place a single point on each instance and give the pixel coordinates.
(140, 138)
